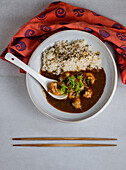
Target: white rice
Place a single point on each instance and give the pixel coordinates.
(69, 56)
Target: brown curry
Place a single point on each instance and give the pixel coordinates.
(86, 103)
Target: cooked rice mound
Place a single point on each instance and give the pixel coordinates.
(70, 56)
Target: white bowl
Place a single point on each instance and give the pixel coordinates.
(37, 95)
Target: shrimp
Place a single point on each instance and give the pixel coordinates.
(91, 77)
(53, 88)
(71, 95)
(77, 103)
(67, 74)
(88, 93)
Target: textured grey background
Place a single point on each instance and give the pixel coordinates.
(19, 117)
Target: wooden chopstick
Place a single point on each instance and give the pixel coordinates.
(64, 145)
(63, 138)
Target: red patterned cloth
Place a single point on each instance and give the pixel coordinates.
(60, 16)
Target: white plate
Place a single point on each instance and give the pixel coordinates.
(108, 63)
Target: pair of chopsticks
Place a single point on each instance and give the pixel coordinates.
(64, 144)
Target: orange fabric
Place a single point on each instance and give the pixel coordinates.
(59, 16)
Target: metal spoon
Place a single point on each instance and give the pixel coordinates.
(41, 79)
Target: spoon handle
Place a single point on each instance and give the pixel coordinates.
(41, 79)
(11, 58)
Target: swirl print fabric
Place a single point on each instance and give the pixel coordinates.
(59, 16)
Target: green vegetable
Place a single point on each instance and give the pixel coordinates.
(63, 88)
(71, 83)
(81, 83)
(77, 87)
(80, 77)
(67, 91)
(71, 79)
(88, 81)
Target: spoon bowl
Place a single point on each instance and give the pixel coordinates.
(41, 79)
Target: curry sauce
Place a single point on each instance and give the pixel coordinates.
(66, 106)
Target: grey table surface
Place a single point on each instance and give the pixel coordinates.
(19, 117)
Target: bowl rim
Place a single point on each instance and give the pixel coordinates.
(82, 119)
